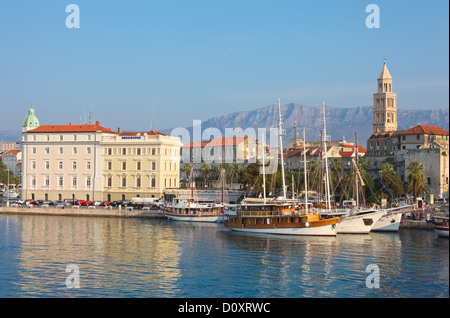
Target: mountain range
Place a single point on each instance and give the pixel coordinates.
(341, 122)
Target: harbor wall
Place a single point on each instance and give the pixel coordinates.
(99, 212)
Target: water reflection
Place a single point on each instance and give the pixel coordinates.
(161, 258)
(114, 255)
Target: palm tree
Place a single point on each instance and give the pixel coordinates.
(416, 178)
(390, 179)
(187, 169)
(204, 171)
(234, 172)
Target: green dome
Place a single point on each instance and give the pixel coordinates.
(31, 120)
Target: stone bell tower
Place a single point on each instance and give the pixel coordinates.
(384, 104)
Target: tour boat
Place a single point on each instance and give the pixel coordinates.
(190, 211)
(440, 224)
(278, 217)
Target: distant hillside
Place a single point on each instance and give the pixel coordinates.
(341, 122)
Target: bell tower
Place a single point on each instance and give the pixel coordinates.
(384, 104)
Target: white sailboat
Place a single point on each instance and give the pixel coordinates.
(352, 221)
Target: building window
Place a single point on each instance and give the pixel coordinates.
(47, 181)
(124, 165)
(418, 137)
(74, 181)
(33, 150)
(75, 137)
(109, 165)
(109, 182)
(61, 137)
(153, 151)
(153, 182)
(109, 151)
(428, 180)
(153, 165)
(61, 182)
(138, 151)
(74, 150)
(47, 165)
(33, 165)
(61, 150)
(60, 165)
(124, 151)
(138, 165)
(124, 182)
(138, 182)
(88, 150)
(88, 165)
(74, 165)
(47, 150)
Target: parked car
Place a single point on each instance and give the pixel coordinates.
(441, 201)
(60, 204)
(87, 203)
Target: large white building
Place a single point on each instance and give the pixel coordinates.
(91, 162)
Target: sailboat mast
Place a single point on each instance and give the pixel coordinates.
(304, 163)
(281, 133)
(327, 189)
(264, 167)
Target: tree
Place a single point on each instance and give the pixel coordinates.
(390, 180)
(416, 178)
(187, 169)
(204, 171)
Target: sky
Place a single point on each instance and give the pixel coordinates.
(161, 64)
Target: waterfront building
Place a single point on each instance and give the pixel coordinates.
(90, 162)
(8, 145)
(139, 164)
(63, 162)
(12, 159)
(425, 143)
(346, 151)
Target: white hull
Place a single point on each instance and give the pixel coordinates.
(359, 224)
(388, 223)
(210, 219)
(326, 230)
(441, 233)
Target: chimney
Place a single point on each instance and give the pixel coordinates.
(119, 130)
(97, 123)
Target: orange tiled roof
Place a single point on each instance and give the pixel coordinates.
(149, 133)
(232, 141)
(70, 128)
(12, 152)
(424, 129)
(199, 144)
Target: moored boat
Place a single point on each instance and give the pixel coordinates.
(440, 224)
(189, 211)
(278, 217)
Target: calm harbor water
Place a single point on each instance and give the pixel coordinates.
(161, 258)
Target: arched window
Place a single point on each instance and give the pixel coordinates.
(124, 182)
(138, 182)
(109, 182)
(153, 182)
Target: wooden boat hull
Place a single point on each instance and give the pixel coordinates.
(388, 223)
(440, 225)
(325, 227)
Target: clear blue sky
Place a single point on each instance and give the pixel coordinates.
(180, 60)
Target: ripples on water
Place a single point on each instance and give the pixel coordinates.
(161, 258)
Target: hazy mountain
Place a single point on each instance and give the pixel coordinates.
(341, 122)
